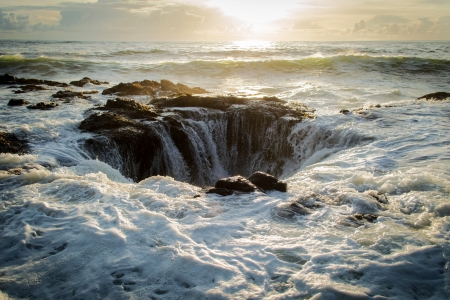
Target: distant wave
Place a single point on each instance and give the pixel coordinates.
(136, 52)
(334, 64)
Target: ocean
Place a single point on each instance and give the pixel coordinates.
(73, 226)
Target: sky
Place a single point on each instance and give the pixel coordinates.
(225, 20)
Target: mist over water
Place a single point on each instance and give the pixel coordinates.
(73, 226)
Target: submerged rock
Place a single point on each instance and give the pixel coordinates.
(9, 143)
(220, 191)
(267, 182)
(290, 210)
(43, 106)
(30, 88)
(436, 96)
(17, 102)
(85, 80)
(236, 183)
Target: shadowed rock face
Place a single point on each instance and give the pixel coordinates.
(218, 136)
(9, 143)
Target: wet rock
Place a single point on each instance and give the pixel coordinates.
(358, 220)
(43, 106)
(85, 80)
(290, 210)
(9, 143)
(152, 88)
(17, 102)
(73, 94)
(220, 191)
(9, 79)
(314, 201)
(191, 145)
(30, 88)
(344, 111)
(267, 182)
(127, 89)
(380, 197)
(236, 183)
(436, 96)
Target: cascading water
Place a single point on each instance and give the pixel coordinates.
(200, 145)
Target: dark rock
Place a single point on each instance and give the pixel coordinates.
(17, 102)
(9, 143)
(236, 183)
(8, 79)
(73, 94)
(357, 220)
(85, 80)
(436, 96)
(290, 210)
(380, 197)
(43, 106)
(127, 89)
(344, 111)
(267, 182)
(30, 88)
(220, 191)
(191, 145)
(168, 86)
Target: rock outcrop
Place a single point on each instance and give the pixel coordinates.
(43, 106)
(9, 143)
(17, 102)
(267, 182)
(236, 183)
(9, 79)
(86, 80)
(436, 96)
(152, 88)
(219, 135)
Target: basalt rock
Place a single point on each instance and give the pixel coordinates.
(30, 88)
(86, 80)
(267, 182)
(236, 183)
(220, 191)
(436, 96)
(289, 211)
(193, 145)
(152, 88)
(9, 143)
(17, 102)
(9, 79)
(73, 94)
(43, 106)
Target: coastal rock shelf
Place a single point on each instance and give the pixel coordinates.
(194, 139)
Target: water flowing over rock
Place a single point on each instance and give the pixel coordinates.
(194, 139)
(236, 183)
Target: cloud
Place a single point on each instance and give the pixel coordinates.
(11, 21)
(305, 25)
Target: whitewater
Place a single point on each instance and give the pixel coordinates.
(72, 226)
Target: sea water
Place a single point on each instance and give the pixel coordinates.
(74, 227)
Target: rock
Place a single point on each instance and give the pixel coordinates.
(9, 79)
(357, 220)
(17, 102)
(127, 89)
(289, 210)
(85, 80)
(30, 88)
(344, 111)
(267, 182)
(168, 86)
(43, 106)
(191, 145)
(220, 191)
(236, 183)
(380, 197)
(73, 94)
(9, 143)
(436, 96)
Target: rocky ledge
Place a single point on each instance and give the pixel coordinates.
(9, 143)
(193, 138)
